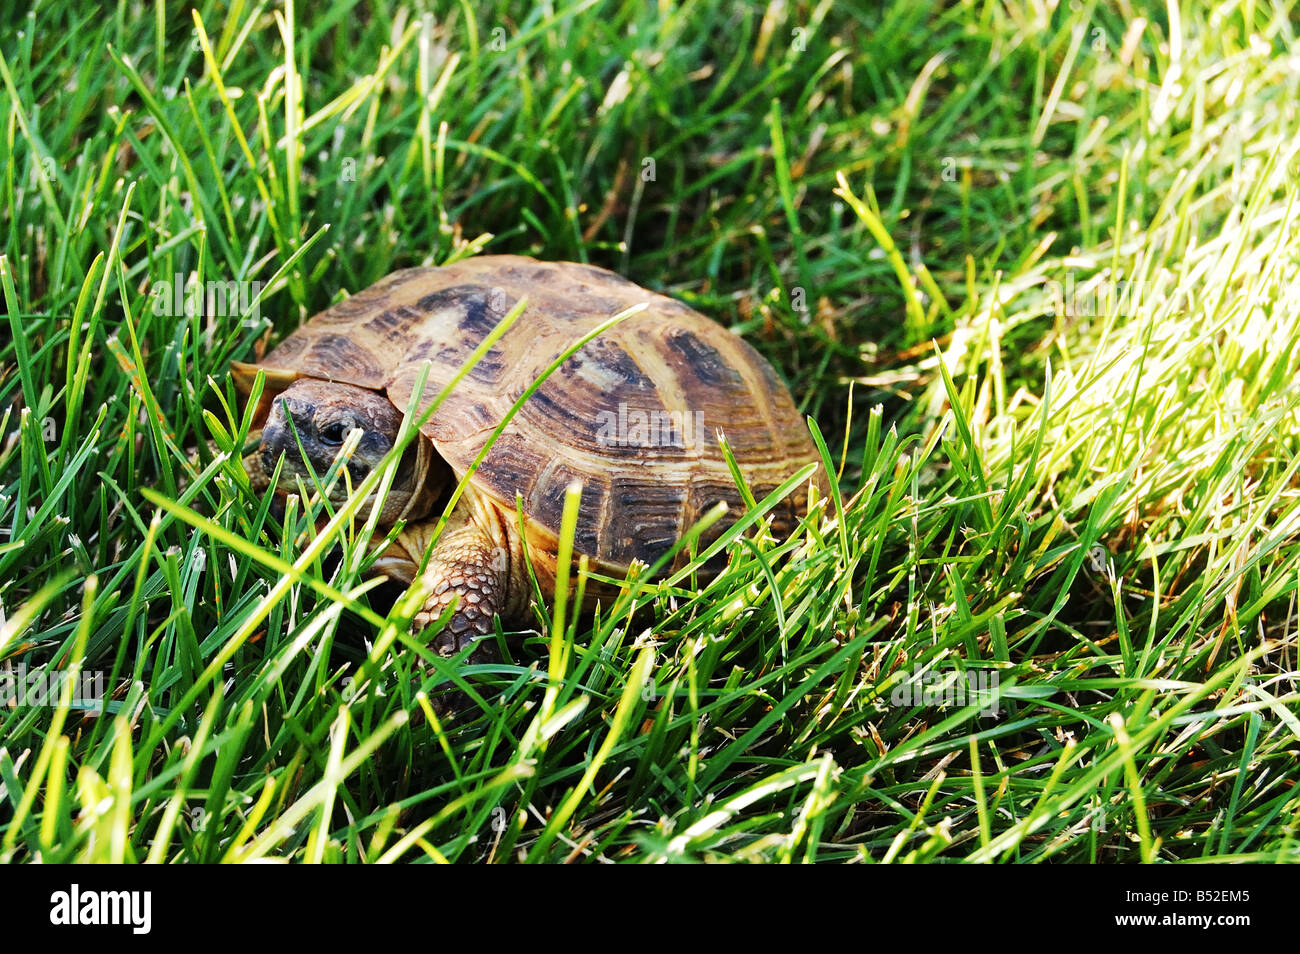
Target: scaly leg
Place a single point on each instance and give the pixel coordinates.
(470, 568)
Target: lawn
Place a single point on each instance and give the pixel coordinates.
(1030, 269)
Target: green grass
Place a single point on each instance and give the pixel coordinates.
(1098, 506)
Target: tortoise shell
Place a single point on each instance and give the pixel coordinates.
(634, 414)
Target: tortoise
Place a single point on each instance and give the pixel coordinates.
(634, 415)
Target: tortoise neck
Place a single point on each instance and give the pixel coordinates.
(428, 481)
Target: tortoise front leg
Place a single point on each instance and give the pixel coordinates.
(470, 568)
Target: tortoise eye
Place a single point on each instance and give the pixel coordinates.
(335, 432)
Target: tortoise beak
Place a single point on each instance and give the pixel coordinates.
(269, 452)
(277, 438)
(258, 477)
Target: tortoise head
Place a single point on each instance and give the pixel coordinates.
(308, 424)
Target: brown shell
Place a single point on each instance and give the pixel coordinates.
(605, 416)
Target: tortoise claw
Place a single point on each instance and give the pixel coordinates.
(461, 630)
